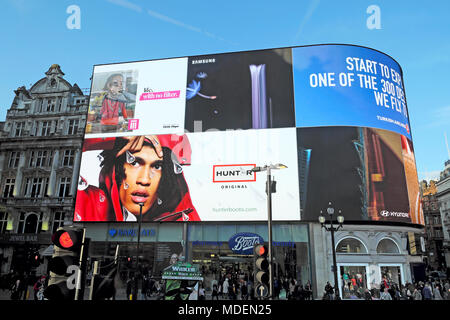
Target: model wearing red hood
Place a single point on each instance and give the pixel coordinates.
(103, 203)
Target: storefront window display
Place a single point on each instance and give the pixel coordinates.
(353, 281)
(391, 276)
(215, 249)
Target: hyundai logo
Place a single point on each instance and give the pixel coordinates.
(384, 213)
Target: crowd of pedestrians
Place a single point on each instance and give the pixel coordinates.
(429, 290)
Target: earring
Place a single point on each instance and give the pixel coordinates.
(177, 168)
(126, 186)
(159, 201)
(130, 157)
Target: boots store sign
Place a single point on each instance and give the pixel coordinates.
(243, 243)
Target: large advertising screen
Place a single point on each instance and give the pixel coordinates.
(177, 139)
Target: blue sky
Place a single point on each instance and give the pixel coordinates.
(34, 36)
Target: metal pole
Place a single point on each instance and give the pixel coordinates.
(94, 274)
(336, 285)
(269, 222)
(80, 270)
(136, 282)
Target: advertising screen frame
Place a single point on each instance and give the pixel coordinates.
(294, 105)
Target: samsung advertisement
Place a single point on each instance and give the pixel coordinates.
(177, 139)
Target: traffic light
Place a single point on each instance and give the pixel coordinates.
(261, 265)
(64, 266)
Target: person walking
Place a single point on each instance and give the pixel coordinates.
(215, 292)
(225, 288)
(385, 295)
(446, 295)
(329, 292)
(417, 295)
(427, 292)
(437, 292)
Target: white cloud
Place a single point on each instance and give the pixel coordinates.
(431, 175)
(126, 4)
(307, 16)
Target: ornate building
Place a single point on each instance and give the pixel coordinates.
(40, 145)
(434, 236)
(443, 198)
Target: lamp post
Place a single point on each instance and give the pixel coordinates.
(333, 229)
(136, 281)
(270, 188)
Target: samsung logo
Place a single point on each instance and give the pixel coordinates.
(201, 61)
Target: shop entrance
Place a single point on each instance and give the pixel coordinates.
(218, 262)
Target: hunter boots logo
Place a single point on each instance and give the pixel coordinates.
(234, 173)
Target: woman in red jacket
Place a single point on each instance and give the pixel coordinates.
(139, 171)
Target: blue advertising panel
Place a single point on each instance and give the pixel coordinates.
(341, 85)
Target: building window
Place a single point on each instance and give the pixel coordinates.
(46, 127)
(64, 187)
(14, 158)
(437, 220)
(39, 158)
(9, 188)
(20, 128)
(40, 103)
(3, 221)
(21, 222)
(58, 220)
(68, 159)
(387, 246)
(73, 126)
(34, 187)
(51, 103)
(350, 245)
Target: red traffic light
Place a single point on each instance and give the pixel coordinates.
(68, 239)
(65, 240)
(260, 250)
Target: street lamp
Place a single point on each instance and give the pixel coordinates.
(270, 188)
(332, 229)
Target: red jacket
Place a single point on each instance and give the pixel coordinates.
(110, 111)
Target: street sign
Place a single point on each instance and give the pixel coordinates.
(261, 290)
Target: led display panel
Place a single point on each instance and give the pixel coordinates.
(178, 139)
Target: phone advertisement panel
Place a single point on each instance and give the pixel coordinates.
(135, 98)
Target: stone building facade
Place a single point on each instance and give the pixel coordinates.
(443, 198)
(40, 145)
(434, 235)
